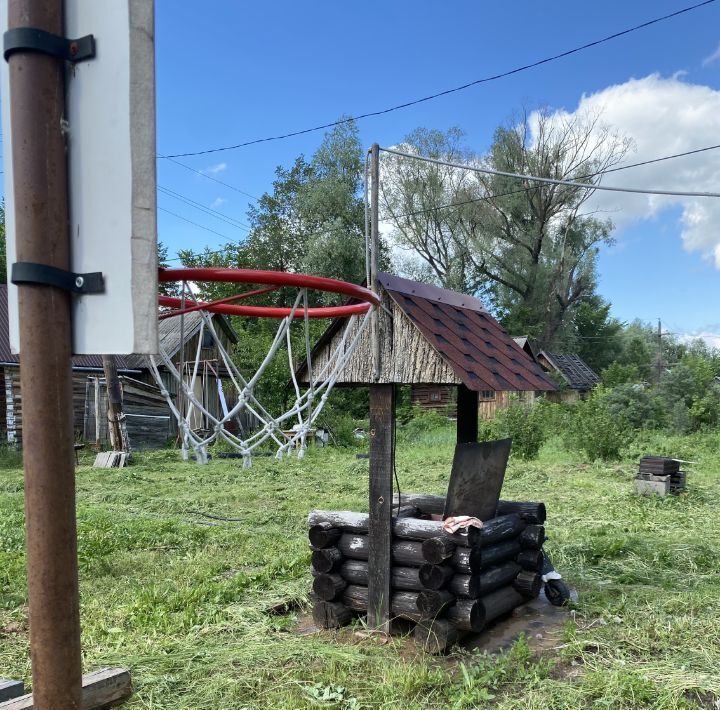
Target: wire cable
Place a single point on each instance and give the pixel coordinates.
(446, 92)
(207, 210)
(551, 181)
(210, 177)
(195, 224)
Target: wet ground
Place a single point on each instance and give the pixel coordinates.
(541, 622)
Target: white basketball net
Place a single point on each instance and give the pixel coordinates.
(298, 419)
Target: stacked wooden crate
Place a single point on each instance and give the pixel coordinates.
(449, 584)
(658, 475)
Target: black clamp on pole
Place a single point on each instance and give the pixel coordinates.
(28, 273)
(29, 39)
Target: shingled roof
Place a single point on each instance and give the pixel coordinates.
(574, 370)
(467, 344)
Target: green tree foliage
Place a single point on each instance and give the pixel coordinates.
(525, 426)
(530, 250)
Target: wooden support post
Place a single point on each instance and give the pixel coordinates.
(467, 415)
(116, 422)
(382, 463)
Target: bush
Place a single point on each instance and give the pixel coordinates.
(637, 404)
(595, 430)
(524, 425)
(422, 422)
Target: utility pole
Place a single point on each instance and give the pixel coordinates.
(37, 90)
(374, 246)
(659, 356)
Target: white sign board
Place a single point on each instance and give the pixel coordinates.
(110, 108)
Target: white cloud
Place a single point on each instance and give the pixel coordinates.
(664, 116)
(712, 57)
(711, 336)
(215, 169)
(217, 202)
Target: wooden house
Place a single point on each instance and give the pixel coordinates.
(430, 336)
(572, 371)
(149, 420)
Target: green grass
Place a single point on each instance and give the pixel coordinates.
(183, 604)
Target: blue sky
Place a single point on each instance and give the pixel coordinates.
(228, 72)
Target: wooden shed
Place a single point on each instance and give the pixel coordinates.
(180, 339)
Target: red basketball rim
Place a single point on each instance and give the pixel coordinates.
(276, 279)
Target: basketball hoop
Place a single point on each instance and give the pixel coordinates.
(307, 404)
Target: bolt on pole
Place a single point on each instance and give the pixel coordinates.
(37, 89)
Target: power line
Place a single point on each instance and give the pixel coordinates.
(195, 224)
(210, 177)
(453, 90)
(551, 181)
(486, 198)
(207, 210)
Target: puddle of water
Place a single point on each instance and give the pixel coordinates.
(539, 620)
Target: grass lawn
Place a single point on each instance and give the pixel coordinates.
(181, 599)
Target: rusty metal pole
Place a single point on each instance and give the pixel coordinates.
(37, 90)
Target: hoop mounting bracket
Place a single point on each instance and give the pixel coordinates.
(26, 272)
(31, 39)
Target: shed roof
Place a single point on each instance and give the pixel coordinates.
(172, 330)
(467, 337)
(574, 370)
(464, 336)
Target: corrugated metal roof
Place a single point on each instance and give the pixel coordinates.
(574, 370)
(79, 361)
(467, 337)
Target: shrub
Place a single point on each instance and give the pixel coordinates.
(637, 404)
(524, 425)
(595, 430)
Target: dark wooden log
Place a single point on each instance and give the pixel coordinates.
(404, 552)
(467, 614)
(405, 578)
(500, 602)
(326, 560)
(473, 586)
(436, 635)
(434, 602)
(331, 615)
(474, 559)
(323, 535)
(403, 528)
(328, 586)
(427, 503)
(530, 559)
(504, 527)
(530, 511)
(435, 576)
(402, 604)
(437, 549)
(528, 583)
(533, 537)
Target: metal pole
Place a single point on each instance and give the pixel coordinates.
(374, 246)
(37, 91)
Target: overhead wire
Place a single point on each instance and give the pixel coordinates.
(210, 177)
(445, 92)
(551, 181)
(450, 204)
(207, 210)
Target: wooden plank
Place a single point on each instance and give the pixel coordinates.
(99, 689)
(10, 689)
(382, 462)
(467, 415)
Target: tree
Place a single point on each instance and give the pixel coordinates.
(529, 248)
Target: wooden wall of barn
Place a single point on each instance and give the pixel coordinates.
(11, 421)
